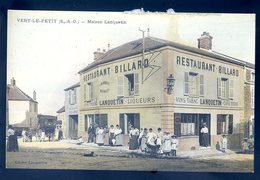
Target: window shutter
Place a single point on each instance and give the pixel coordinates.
(186, 83)
(252, 97)
(75, 96)
(231, 89)
(230, 124)
(227, 88)
(219, 87)
(219, 122)
(177, 124)
(201, 85)
(136, 83)
(122, 123)
(69, 97)
(85, 89)
(120, 86)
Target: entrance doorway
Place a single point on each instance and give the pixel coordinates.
(73, 126)
(204, 119)
(126, 120)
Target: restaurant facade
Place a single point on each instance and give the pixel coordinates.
(152, 83)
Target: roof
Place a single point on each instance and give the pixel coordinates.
(73, 86)
(42, 117)
(61, 109)
(152, 43)
(16, 94)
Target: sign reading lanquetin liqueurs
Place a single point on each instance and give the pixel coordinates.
(199, 64)
(122, 101)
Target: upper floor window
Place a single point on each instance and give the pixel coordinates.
(72, 96)
(252, 97)
(225, 88)
(253, 77)
(193, 84)
(90, 91)
(128, 85)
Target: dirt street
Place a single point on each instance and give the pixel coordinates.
(55, 155)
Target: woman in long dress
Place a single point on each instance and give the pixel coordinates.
(119, 136)
(143, 139)
(12, 143)
(106, 136)
(112, 139)
(167, 143)
(100, 137)
(133, 138)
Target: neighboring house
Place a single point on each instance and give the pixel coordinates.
(126, 86)
(61, 117)
(72, 97)
(249, 97)
(22, 109)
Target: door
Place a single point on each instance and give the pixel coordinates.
(73, 126)
(204, 118)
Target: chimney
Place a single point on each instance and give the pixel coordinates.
(13, 81)
(148, 32)
(34, 95)
(108, 46)
(205, 41)
(98, 54)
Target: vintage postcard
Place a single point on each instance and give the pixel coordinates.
(130, 91)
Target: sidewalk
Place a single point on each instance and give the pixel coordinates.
(124, 150)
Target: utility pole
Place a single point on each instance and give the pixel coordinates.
(143, 31)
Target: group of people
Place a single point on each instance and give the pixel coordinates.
(51, 135)
(105, 136)
(143, 139)
(162, 143)
(27, 135)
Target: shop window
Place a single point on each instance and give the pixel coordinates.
(225, 88)
(193, 84)
(224, 124)
(99, 119)
(188, 124)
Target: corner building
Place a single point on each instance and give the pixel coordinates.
(126, 86)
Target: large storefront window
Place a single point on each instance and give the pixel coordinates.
(187, 124)
(99, 119)
(224, 124)
(126, 120)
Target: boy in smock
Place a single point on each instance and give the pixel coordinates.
(175, 143)
(224, 143)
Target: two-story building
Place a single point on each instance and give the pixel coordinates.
(128, 85)
(249, 99)
(22, 110)
(72, 95)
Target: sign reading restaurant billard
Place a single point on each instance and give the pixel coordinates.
(180, 61)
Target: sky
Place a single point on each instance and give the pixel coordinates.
(45, 54)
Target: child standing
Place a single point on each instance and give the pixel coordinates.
(167, 143)
(224, 143)
(174, 144)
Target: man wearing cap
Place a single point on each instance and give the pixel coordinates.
(204, 134)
